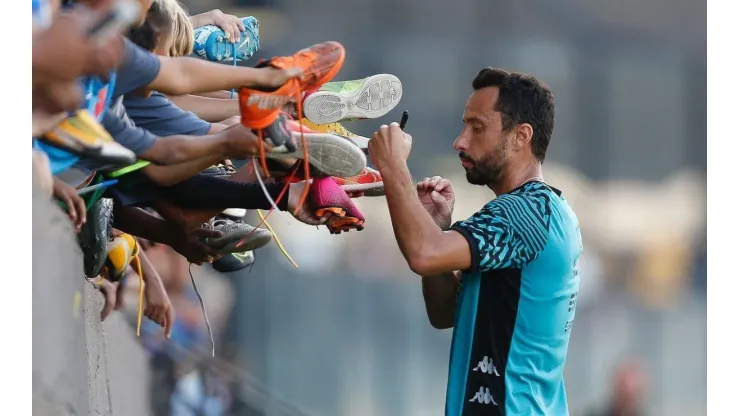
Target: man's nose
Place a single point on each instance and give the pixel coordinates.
(460, 144)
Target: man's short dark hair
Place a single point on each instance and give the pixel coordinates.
(522, 98)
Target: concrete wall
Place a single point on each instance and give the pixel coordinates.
(80, 365)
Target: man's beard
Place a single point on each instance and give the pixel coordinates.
(484, 173)
(488, 171)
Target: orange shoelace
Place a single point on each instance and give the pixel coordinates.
(313, 73)
(263, 218)
(306, 167)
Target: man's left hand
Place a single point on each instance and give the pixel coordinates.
(389, 146)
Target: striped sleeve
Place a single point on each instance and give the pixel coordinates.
(508, 232)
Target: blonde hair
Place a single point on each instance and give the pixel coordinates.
(183, 37)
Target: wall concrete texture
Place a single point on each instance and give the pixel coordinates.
(81, 366)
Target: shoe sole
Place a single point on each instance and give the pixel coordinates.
(94, 236)
(368, 189)
(224, 50)
(378, 95)
(331, 154)
(244, 243)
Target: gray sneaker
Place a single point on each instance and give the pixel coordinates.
(234, 262)
(237, 238)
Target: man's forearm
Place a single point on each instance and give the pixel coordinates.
(413, 227)
(171, 150)
(184, 75)
(212, 110)
(440, 298)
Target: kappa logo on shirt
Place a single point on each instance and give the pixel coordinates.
(486, 366)
(483, 396)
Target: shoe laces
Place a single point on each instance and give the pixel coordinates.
(263, 218)
(137, 264)
(277, 240)
(306, 167)
(233, 55)
(311, 75)
(203, 310)
(136, 261)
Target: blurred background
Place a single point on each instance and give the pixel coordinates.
(346, 333)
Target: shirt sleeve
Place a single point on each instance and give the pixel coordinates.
(127, 135)
(138, 69)
(508, 232)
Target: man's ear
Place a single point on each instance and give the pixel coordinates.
(522, 135)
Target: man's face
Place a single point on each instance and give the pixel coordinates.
(483, 145)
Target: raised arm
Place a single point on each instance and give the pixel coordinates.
(143, 70)
(236, 142)
(183, 75)
(488, 240)
(239, 141)
(212, 110)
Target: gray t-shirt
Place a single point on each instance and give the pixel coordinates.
(138, 69)
(161, 117)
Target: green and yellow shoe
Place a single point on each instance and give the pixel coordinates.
(366, 98)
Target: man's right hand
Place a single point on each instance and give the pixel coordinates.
(438, 198)
(241, 142)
